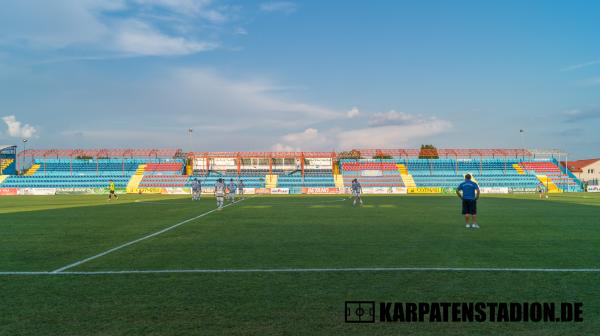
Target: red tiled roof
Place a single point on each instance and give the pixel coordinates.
(577, 166)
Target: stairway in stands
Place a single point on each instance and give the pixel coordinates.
(5, 164)
(31, 171)
(140, 169)
(338, 178)
(549, 174)
(339, 181)
(546, 181)
(518, 168)
(134, 181)
(3, 177)
(271, 181)
(406, 177)
(402, 169)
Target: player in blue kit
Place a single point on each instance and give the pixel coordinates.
(468, 191)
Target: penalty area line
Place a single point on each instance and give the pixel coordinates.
(316, 270)
(154, 234)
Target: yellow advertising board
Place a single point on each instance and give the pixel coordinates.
(424, 190)
(144, 190)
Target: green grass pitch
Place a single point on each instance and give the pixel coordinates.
(42, 234)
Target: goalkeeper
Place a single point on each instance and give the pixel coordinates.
(111, 190)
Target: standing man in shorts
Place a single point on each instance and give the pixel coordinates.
(196, 190)
(469, 196)
(220, 193)
(232, 187)
(541, 189)
(241, 189)
(111, 190)
(356, 192)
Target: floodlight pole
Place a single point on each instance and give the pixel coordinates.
(24, 147)
(567, 165)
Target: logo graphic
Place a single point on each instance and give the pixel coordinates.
(360, 311)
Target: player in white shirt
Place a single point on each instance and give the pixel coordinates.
(196, 190)
(231, 188)
(541, 189)
(220, 193)
(241, 188)
(356, 192)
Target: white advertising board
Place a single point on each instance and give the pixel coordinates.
(36, 191)
(280, 191)
(177, 191)
(384, 190)
(593, 188)
(371, 173)
(494, 190)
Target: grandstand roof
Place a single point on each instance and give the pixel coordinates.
(455, 153)
(447, 152)
(169, 153)
(96, 153)
(263, 154)
(3, 147)
(577, 166)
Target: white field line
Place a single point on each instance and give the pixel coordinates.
(77, 263)
(337, 200)
(319, 270)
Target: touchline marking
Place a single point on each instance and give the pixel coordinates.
(77, 263)
(313, 270)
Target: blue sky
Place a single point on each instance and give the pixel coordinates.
(300, 75)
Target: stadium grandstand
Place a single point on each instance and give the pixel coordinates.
(394, 171)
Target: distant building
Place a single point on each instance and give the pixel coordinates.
(586, 170)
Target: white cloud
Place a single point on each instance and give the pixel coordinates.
(53, 24)
(87, 28)
(354, 112)
(397, 118)
(138, 38)
(580, 65)
(309, 135)
(309, 139)
(240, 31)
(411, 130)
(583, 114)
(247, 102)
(176, 5)
(194, 8)
(594, 81)
(393, 136)
(286, 7)
(226, 113)
(278, 147)
(16, 129)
